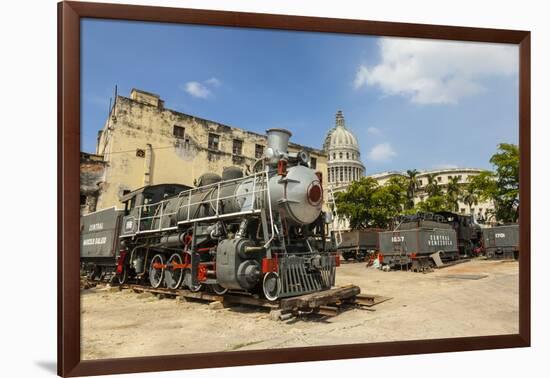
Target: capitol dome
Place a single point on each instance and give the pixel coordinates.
(344, 157)
(339, 136)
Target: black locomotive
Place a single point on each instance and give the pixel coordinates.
(264, 232)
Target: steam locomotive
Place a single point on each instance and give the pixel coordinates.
(260, 233)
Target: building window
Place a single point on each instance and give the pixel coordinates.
(213, 141)
(82, 199)
(334, 156)
(313, 163)
(237, 147)
(419, 182)
(449, 178)
(179, 132)
(462, 210)
(259, 151)
(341, 155)
(341, 174)
(347, 155)
(439, 178)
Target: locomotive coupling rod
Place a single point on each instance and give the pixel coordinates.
(251, 249)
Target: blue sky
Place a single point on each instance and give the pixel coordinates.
(411, 103)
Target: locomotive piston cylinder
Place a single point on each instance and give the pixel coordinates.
(174, 240)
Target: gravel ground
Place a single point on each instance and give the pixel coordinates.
(434, 305)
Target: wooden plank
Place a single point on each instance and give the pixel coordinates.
(320, 298)
(238, 299)
(369, 300)
(327, 302)
(328, 310)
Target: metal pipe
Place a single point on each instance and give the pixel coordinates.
(252, 249)
(148, 165)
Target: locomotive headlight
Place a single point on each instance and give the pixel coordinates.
(315, 193)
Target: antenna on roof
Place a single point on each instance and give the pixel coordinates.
(113, 116)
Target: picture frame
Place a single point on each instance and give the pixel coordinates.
(69, 17)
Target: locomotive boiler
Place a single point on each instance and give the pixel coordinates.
(263, 232)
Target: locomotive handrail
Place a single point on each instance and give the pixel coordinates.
(335, 220)
(268, 243)
(160, 214)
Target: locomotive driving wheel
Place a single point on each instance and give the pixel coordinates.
(122, 277)
(156, 271)
(188, 281)
(272, 286)
(218, 289)
(173, 277)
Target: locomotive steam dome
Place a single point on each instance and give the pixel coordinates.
(342, 148)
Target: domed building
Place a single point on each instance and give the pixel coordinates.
(343, 155)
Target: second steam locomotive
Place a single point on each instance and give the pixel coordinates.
(264, 232)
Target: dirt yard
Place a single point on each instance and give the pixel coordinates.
(450, 302)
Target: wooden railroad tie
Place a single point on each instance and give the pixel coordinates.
(328, 302)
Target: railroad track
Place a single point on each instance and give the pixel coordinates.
(327, 303)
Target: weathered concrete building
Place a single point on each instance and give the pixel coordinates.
(143, 143)
(92, 173)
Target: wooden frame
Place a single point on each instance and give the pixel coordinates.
(69, 15)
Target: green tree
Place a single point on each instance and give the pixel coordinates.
(470, 196)
(502, 186)
(367, 204)
(356, 202)
(484, 185)
(433, 204)
(453, 193)
(412, 186)
(506, 162)
(432, 187)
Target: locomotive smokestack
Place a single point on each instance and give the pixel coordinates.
(277, 144)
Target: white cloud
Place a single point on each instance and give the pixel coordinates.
(202, 90)
(381, 152)
(436, 72)
(213, 81)
(374, 131)
(197, 89)
(445, 166)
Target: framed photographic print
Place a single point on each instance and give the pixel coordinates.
(239, 188)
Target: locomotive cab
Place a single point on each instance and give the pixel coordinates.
(142, 203)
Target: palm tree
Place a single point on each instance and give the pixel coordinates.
(454, 192)
(470, 197)
(432, 187)
(412, 186)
